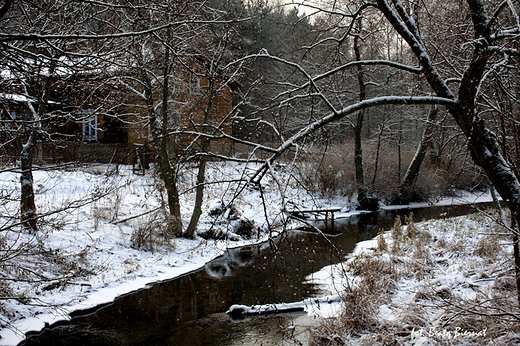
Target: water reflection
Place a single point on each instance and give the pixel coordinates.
(189, 310)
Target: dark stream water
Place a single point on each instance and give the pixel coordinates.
(190, 309)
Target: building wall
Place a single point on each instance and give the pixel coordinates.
(190, 107)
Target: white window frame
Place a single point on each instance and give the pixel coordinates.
(90, 126)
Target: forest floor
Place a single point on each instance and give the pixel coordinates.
(110, 238)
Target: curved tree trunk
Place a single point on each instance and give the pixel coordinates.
(199, 195)
(201, 174)
(482, 143)
(407, 187)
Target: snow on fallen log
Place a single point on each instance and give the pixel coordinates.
(238, 311)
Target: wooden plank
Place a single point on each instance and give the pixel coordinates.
(313, 211)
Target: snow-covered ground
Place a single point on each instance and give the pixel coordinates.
(86, 255)
(438, 282)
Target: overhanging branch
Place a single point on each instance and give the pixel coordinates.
(374, 102)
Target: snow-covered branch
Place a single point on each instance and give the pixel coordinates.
(6, 37)
(374, 102)
(388, 63)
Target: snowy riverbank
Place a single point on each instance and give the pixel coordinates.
(86, 255)
(439, 282)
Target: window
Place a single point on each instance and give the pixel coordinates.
(90, 126)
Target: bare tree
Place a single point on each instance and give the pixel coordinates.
(477, 59)
(176, 76)
(46, 46)
(366, 201)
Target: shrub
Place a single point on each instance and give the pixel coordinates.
(329, 171)
(157, 231)
(325, 173)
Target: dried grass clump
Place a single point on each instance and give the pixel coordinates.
(411, 230)
(489, 320)
(157, 231)
(76, 264)
(107, 209)
(380, 339)
(414, 317)
(403, 238)
(382, 245)
(421, 250)
(328, 334)
(360, 310)
(358, 316)
(474, 305)
(397, 236)
(373, 270)
(376, 278)
(488, 247)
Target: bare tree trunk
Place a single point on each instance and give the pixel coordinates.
(27, 204)
(201, 175)
(399, 153)
(358, 161)
(483, 144)
(378, 150)
(199, 197)
(516, 250)
(407, 187)
(166, 156)
(364, 199)
(169, 178)
(358, 150)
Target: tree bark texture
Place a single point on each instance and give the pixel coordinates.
(168, 152)
(28, 214)
(201, 174)
(199, 196)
